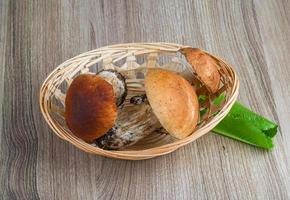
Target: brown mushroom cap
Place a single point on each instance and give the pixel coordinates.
(173, 101)
(205, 67)
(90, 107)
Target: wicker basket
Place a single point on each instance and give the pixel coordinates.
(132, 60)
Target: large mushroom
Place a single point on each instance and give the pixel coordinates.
(95, 111)
(90, 107)
(173, 100)
(204, 66)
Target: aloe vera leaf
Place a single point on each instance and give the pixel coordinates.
(246, 126)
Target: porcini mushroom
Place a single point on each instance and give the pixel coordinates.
(173, 100)
(204, 66)
(92, 113)
(90, 107)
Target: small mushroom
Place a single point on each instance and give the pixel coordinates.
(90, 107)
(173, 100)
(205, 67)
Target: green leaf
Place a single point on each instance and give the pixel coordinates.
(244, 125)
(202, 111)
(217, 101)
(201, 98)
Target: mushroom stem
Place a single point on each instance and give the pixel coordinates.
(118, 83)
(133, 123)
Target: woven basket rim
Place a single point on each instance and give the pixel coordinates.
(145, 153)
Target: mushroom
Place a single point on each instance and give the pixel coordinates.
(205, 67)
(95, 111)
(90, 107)
(173, 101)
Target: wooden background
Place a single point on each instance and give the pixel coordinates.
(37, 35)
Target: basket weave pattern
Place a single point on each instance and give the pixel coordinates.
(132, 60)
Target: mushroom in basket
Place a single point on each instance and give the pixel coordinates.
(90, 107)
(173, 101)
(94, 111)
(204, 66)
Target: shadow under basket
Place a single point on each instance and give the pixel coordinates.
(133, 60)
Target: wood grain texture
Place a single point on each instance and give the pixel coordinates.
(36, 36)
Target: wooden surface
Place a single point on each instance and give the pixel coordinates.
(36, 36)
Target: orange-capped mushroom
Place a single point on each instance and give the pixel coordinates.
(204, 66)
(173, 100)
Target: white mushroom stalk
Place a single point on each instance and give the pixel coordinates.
(118, 83)
(133, 124)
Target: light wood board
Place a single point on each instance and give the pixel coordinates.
(36, 36)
